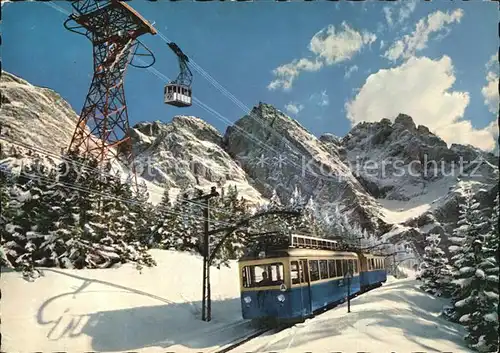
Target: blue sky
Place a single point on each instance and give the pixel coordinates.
(426, 59)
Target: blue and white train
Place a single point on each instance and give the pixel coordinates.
(304, 278)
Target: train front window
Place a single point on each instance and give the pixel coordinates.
(264, 275)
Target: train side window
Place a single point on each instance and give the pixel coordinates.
(372, 263)
(331, 268)
(355, 266)
(304, 270)
(345, 267)
(338, 265)
(314, 269)
(295, 274)
(323, 269)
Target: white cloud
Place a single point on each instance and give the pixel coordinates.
(490, 90)
(336, 46)
(404, 11)
(411, 43)
(286, 74)
(388, 15)
(350, 71)
(382, 44)
(320, 99)
(294, 108)
(421, 88)
(329, 46)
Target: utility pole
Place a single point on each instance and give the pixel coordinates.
(206, 303)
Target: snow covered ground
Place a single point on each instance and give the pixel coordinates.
(118, 310)
(397, 317)
(158, 310)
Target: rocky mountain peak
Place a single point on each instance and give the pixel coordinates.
(405, 121)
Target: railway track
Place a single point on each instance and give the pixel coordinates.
(250, 336)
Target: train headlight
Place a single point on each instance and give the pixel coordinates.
(281, 298)
(247, 300)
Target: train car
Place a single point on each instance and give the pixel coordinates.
(295, 282)
(373, 271)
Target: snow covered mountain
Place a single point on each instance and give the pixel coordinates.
(36, 116)
(418, 180)
(279, 154)
(188, 152)
(381, 174)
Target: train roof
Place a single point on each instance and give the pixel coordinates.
(298, 252)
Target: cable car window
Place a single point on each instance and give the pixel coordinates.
(355, 266)
(263, 275)
(338, 265)
(323, 269)
(331, 268)
(314, 269)
(295, 274)
(344, 267)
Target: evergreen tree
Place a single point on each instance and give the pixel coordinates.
(229, 208)
(144, 215)
(491, 249)
(434, 266)
(475, 302)
(162, 220)
(468, 228)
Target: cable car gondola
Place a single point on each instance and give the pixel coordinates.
(178, 93)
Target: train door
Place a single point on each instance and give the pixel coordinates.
(306, 288)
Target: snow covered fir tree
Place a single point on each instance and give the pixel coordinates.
(434, 269)
(474, 259)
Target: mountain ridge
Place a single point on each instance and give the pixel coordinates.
(267, 151)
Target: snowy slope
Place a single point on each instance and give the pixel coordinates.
(395, 318)
(118, 310)
(158, 310)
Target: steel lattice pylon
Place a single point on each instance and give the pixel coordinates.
(113, 28)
